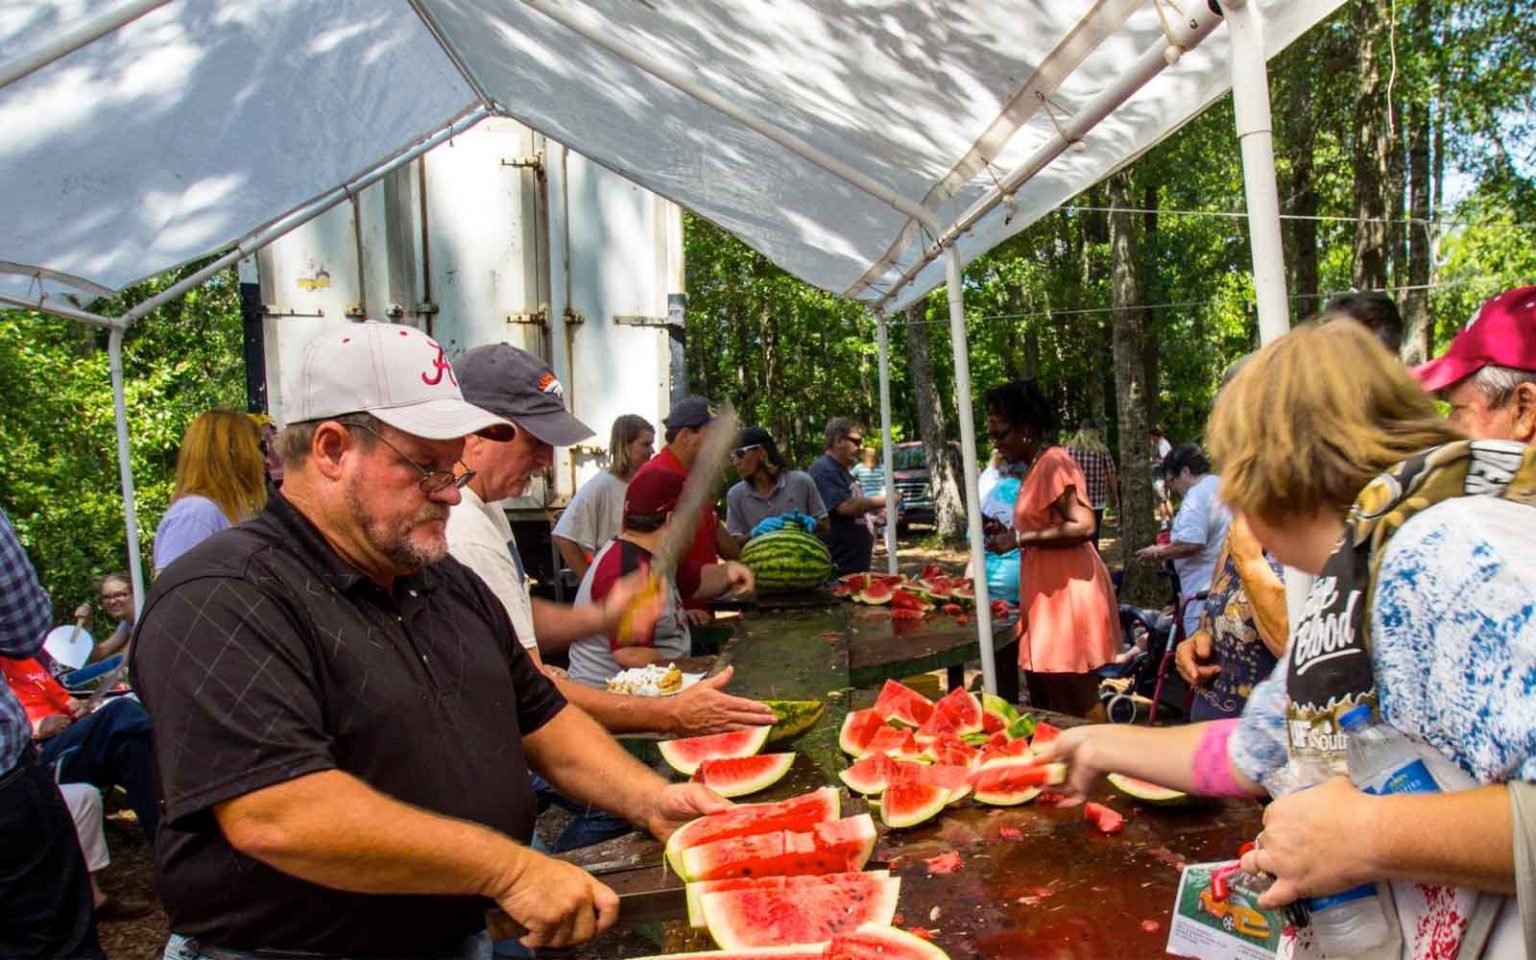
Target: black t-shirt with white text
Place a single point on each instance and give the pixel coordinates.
(263, 656)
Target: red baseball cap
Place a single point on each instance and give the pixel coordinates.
(1501, 333)
(653, 492)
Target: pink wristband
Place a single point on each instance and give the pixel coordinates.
(1212, 770)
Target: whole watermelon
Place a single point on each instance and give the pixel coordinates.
(787, 560)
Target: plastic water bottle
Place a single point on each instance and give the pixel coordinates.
(1347, 923)
(1383, 760)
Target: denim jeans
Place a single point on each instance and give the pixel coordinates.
(589, 826)
(179, 947)
(108, 748)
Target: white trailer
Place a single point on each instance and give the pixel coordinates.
(497, 235)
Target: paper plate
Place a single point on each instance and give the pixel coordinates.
(70, 646)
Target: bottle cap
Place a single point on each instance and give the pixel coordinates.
(1355, 717)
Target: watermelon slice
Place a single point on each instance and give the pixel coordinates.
(908, 802)
(869, 775)
(998, 714)
(875, 942)
(811, 951)
(956, 714)
(952, 750)
(904, 599)
(1007, 748)
(1145, 790)
(955, 779)
(1044, 734)
(684, 756)
(836, 847)
(777, 911)
(1102, 817)
(1022, 728)
(860, 580)
(874, 593)
(899, 703)
(739, 776)
(793, 717)
(797, 813)
(931, 571)
(693, 891)
(859, 729)
(895, 742)
(1011, 781)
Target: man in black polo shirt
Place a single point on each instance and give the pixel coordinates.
(344, 717)
(850, 537)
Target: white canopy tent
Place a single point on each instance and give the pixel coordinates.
(871, 148)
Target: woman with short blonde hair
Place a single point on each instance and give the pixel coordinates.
(220, 481)
(1420, 614)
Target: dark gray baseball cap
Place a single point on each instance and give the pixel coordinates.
(692, 411)
(517, 385)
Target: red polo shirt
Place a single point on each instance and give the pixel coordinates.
(40, 695)
(703, 550)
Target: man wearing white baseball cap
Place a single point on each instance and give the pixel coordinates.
(344, 717)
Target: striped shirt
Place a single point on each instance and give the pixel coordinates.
(25, 615)
(1097, 466)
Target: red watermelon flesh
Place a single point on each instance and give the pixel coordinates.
(956, 714)
(1044, 734)
(809, 951)
(874, 593)
(836, 847)
(955, 779)
(931, 571)
(870, 774)
(693, 891)
(777, 911)
(894, 741)
(739, 776)
(951, 750)
(859, 729)
(685, 755)
(992, 723)
(797, 813)
(1102, 817)
(859, 580)
(876, 942)
(906, 600)
(909, 802)
(899, 703)
(1013, 781)
(1008, 748)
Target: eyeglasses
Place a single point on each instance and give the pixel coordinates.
(856, 441)
(740, 452)
(432, 481)
(115, 596)
(998, 436)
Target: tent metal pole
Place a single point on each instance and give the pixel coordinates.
(261, 237)
(73, 40)
(125, 468)
(1184, 35)
(42, 305)
(887, 448)
(563, 15)
(1250, 102)
(972, 474)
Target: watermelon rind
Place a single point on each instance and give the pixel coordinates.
(693, 891)
(859, 728)
(1010, 781)
(740, 776)
(796, 813)
(875, 941)
(908, 803)
(996, 706)
(793, 717)
(817, 911)
(875, 593)
(1024, 727)
(869, 774)
(787, 560)
(1145, 790)
(685, 755)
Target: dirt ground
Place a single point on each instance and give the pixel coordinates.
(132, 871)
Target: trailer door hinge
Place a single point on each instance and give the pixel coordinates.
(534, 163)
(637, 320)
(268, 310)
(537, 319)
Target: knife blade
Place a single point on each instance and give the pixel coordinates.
(677, 535)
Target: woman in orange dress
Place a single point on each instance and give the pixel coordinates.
(1068, 620)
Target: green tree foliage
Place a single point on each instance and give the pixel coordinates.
(58, 443)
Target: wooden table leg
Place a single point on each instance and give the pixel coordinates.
(1008, 672)
(954, 676)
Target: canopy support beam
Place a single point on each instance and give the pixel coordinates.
(887, 448)
(972, 474)
(73, 40)
(125, 468)
(1185, 33)
(1255, 137)
(42, 305)
(259, 238)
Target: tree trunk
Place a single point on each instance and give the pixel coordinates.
(1301, 136)
(1416, 335)
(1373, 144)
(1137, 527)
(948, 504)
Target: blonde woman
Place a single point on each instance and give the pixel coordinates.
(1092, 454)
(220, 481)
(1420, 541)
(596, 512)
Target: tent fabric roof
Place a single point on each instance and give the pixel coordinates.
(180, 133)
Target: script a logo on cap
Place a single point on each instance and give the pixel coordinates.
(548, 384)
(440, 366)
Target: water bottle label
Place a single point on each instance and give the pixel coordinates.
(1318, 904)
(1411, 778)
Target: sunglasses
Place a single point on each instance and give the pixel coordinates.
(998, 436)
(740, 452)
(857, 441)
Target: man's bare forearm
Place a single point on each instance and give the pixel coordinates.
(619, 713)
(332, 829)
(572, 553)
(586, 764)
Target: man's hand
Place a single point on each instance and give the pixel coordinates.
(678, 803)
(50, 726)
(559, 905)
(698, 618)
(1315, 842)
(739, 577)
(706, 708)
(1193, 657)
(1150, 554)
(78, 708)
(633, 593)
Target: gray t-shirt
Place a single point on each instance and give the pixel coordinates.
(795, 492)
(595, 514)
